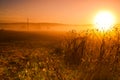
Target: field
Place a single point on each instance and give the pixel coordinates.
(58, 55)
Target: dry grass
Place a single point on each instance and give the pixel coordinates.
(80, 56)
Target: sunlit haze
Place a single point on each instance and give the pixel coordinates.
(56, 11)
(59, 39)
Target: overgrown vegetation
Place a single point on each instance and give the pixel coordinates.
(89, 55)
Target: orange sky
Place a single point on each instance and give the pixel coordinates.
(56, 11)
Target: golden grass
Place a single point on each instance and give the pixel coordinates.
(80, 56)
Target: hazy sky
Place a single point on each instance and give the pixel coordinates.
(57, 11)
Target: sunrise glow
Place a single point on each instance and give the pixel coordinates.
(104, 21)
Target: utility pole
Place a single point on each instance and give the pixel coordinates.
(27, 24)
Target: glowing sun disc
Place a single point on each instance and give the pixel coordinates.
(104, 21)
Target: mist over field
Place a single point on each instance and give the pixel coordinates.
(44, 27)
(59, 39)
(55, 53)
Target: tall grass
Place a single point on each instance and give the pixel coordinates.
(94, 54)
(89, 55)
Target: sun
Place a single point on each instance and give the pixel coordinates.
(104, 21)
